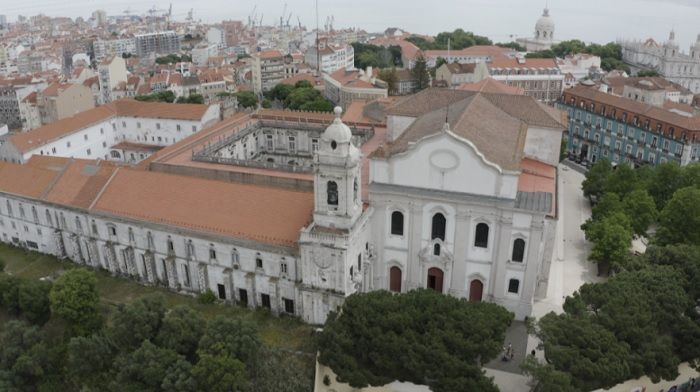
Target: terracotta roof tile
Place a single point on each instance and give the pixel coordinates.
(269, 215)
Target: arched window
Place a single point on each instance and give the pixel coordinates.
(518, 250)
(49, 221)
(438, 230)
(396, 223)
(481, 240)
(395, 279)
(436, 249)
(513, 286)
(115, 154)
(332, 190)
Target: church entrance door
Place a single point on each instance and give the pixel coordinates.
(395, 279)
(435, 276)
(476, 289)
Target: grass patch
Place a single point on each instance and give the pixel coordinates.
(278, 332)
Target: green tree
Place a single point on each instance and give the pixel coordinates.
(391, 78)
(565, 48)
(542, 54)
(9, 293)
(647, 73)
(303, 84)
(220, 373)
(420, 73)
(439, 62)
(591, 354)
(596, 177)
(23, 357)
(281, 91)
(151, 368)
(300, 96)
(133, 323)
(512, 45)
(281, 371)
(546, 378)
(88, 358)
(247, 99)
(181, 331)
(666, 179)
(367, 59)
(679, 221)
(319, 104)
(230, 337)
(611, 237)
(34, 301)
(641, 210)
(163, 96)
(379, 337)
(622, 180)
(74, 298)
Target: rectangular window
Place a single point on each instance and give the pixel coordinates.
(314, 145)
(157, 125)
(222, 291)
(513, 286)
(85, 136)
(138, 124)
(292, 144)
(283, 268)
(265, 301)
(268, 142)
(194, 128)
(258, 263)
(89, 152)
(186, 270)
(212, 254)
(289, 306)
(68, 144)
(243, 297)
(179, 127)
(32, 245)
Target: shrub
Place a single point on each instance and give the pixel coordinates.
(207, 297)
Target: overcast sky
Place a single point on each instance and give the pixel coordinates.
(590, 20)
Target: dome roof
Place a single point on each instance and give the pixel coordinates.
(337, 131)
(545, 22)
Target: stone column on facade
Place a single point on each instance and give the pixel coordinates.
(500, 256)
(275, 296)
(59, 244)
(413, 277)
(203, 277)
(94, 253)
(458, 284)
(111, 258)
(150, 266)
(533, 260)
(130, 260)
(250, 286)
(377, 273)
(228, 285)
(77, 255)
(171, 272)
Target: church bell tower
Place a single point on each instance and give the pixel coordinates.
(337, 181)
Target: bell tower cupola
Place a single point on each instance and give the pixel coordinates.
(337, 181)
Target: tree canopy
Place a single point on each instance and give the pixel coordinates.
(247, 99)
(421, 73)
(610, 54)
(173, 58)
(74, 298)
(459, 39)
(301, 96)
(421, 336)
(368, 55)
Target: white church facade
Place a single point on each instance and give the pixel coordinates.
(667, 59)
(461, 199)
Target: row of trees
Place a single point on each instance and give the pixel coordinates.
(458, 39)
(368, 55)
(610, 54)
(422, 336)
(173, 58)
(169, 97)
(645, 319)
(301, 96)
(61, 339)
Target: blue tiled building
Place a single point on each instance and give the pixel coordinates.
(621, 130)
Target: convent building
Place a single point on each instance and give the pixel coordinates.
(295, 211)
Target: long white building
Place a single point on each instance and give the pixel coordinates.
(462, 201)
(94, 133)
